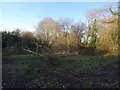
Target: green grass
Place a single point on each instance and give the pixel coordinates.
(33, 63)
(44, 74)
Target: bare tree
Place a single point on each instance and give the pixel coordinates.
(48, 29)
(78, 29)
(94, 13)
(66, 24)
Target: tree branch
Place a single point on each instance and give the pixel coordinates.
(114, 13)
(29, 51)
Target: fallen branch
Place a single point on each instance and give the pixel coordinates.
(30, 51)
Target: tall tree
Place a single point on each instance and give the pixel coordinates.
(93, 36)
(48, 29)
(108, 35)
(93, 16)
(88, 34)
(78, 29)
(66, 27)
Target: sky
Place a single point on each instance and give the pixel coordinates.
(27, 15)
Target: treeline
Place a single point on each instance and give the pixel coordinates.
(97, 37)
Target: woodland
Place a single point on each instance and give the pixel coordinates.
(63, 53)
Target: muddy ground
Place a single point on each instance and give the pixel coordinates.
(102, 77)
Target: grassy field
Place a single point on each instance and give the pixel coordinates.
(64, 72)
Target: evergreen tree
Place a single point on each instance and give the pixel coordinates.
(93, 34)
